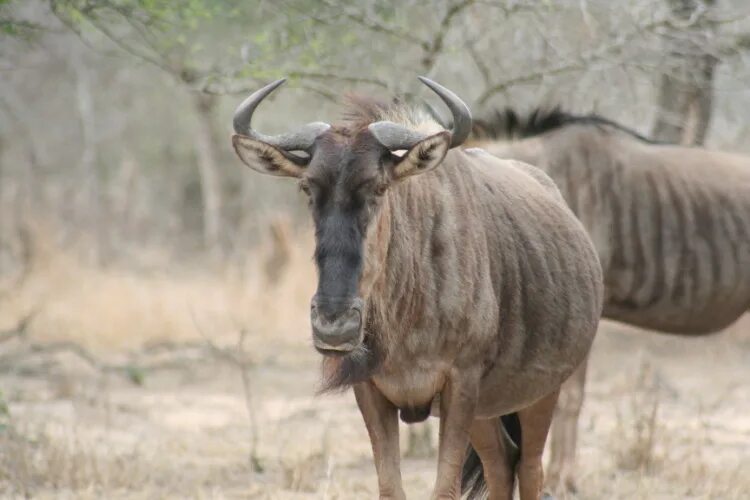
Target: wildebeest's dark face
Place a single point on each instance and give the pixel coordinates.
(345, 183)
(346, 179)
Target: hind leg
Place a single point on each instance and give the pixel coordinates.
(498, 457)
(535, 422)
(564, 432)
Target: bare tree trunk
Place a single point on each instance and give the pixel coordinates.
(205, 149)
(122, 196)
(28, 195)
(17, 212)
(686, 87)
(92, 193)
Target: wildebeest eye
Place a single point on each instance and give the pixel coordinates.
(380, 189)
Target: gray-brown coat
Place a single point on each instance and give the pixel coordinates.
(671, 225)
(469, 289)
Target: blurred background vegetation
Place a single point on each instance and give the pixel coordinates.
(115, 114)
(138, 256)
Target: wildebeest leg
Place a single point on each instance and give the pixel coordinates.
(458, 400)
(497, 455)
(564, 432)
(381, 420)
(535, 422)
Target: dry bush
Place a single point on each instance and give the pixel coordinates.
(120, 308)
(637, 424)
(303, 473)
(36, 460)
(279, 253)
(309, 469)
(55, 461)
(665, 445)
(121, 313)
(695, 462)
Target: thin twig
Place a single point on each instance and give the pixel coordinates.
(251, 413)
(376, 25)
(433, 48)
(20, 329)
(240, 360)
(580, 63)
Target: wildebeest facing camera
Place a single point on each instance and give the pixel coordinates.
(406, 305)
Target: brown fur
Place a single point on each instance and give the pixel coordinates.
(482, 291)
(671, 226)
(483, 274)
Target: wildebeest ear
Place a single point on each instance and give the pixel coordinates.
(265, 158)
(423, 156)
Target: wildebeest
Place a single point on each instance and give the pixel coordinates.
(448, 283)
(671, 226)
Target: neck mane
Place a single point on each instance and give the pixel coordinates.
(507, 124)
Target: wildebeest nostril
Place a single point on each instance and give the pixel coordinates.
(334, 309)
(343, 328)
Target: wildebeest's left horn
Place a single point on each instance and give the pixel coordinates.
(460, 111)
(299, 140)
(395, 136)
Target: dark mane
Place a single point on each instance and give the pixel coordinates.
(360, 111)
(508, 124)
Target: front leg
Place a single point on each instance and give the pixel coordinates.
(458, 400)
(381, 420)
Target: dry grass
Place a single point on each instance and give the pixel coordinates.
(35, 460)
(115, 309)
(665, 417)
(52, 461)
(637, 425)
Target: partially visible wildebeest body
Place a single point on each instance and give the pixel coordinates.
(671, 224)
(470, 289)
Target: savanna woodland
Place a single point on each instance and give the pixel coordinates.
(155, 292)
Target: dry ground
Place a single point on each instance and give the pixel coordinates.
(665, 417)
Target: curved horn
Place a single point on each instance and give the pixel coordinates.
(460, 111)
(394, 136)
(299, 140)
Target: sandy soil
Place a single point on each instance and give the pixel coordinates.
(665, 418)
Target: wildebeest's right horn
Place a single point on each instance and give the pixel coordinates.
(395, 136)
(299, 140)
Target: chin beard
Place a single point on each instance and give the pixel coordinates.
(342, 371)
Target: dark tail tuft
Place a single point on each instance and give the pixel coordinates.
(473, 484)
(472, 477)
(512, 427)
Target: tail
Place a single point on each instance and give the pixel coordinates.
(473, 484)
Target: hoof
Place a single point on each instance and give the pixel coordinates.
(547, 496)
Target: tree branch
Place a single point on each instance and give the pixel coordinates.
(19, 330)
(101, 28)
(432, 49)
(376, 25)
(577, 64)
